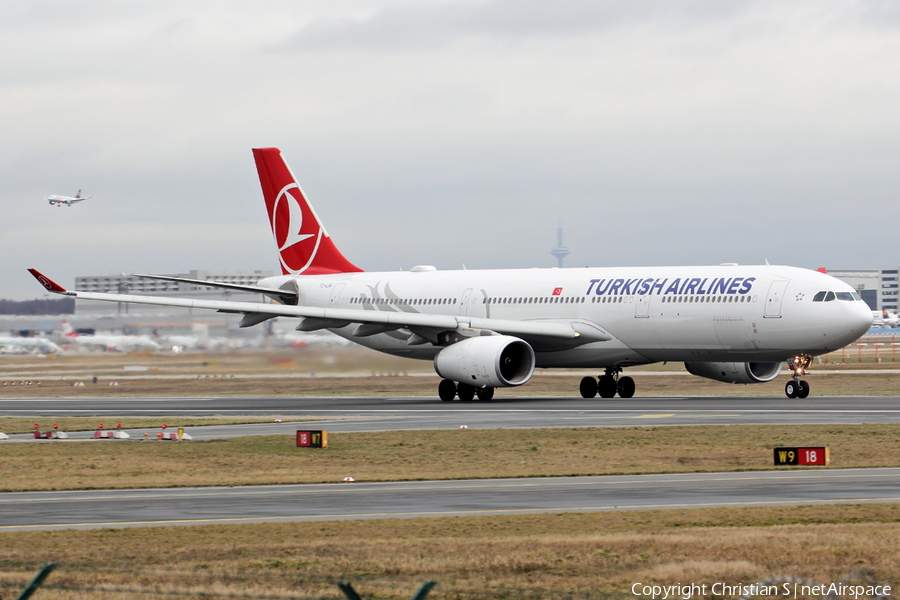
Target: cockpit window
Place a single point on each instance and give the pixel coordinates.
(831, 296)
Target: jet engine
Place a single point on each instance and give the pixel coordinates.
(492, 361)
(731, 372)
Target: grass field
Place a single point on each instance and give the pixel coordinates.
(571, 555)
(12, 425)
(425, 455)
(360, 372)
(589, 555)
(847, 383)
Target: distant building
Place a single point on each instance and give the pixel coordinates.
(878, 287)
(888, 295)
(129, 284)
(45, 306)
(560, 252)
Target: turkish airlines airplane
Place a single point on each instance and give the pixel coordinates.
(486, 329)
(67, 200)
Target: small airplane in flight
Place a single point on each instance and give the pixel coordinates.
(67, 200)
(485, 329)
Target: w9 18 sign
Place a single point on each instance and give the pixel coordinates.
(802, 456)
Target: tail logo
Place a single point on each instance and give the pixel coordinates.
(303, 244)
(297, 231)
(45, 282)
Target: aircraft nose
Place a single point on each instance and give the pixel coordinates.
(862, 318)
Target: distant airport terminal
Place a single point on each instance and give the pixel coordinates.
(878, 287)
(131, 284)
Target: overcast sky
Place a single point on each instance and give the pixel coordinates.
(450, 132)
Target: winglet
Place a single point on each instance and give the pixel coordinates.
(49, 285)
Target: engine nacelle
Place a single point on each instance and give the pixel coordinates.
(493, 361)
(731, 372)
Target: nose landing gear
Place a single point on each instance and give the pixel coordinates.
(799, 366)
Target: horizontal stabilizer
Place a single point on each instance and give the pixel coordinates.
(285, 293)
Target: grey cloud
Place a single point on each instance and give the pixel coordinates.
(880, 13)
(430, 25)
(662, 132)
(47, 15)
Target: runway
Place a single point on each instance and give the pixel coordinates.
(186, 506)
(301, 405)
(197, 506)
(353, 414)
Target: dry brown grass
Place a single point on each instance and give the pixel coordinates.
(546, 556)
(359, 372)
(11, 425)
(424, 455)
(321, 359)
(844, 384)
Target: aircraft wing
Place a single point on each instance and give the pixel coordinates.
(544, 333)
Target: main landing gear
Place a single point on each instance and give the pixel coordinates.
(607, 385)
(448, 390)
(799, 366)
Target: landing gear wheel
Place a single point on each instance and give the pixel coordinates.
(799, 366)
(465, 392)
(791, 389)
(607, 387)
(626, 387)
(484, 394)
(447, 390)
(588, 387)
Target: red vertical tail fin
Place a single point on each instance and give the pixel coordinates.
(304, 246)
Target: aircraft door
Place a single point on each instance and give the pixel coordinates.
(642, 309)
(336, 292)
(774, 299)
(464, 303)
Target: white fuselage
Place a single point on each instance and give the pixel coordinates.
(653, 314)
(61, 200)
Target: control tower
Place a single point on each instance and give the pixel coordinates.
(560, 252)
